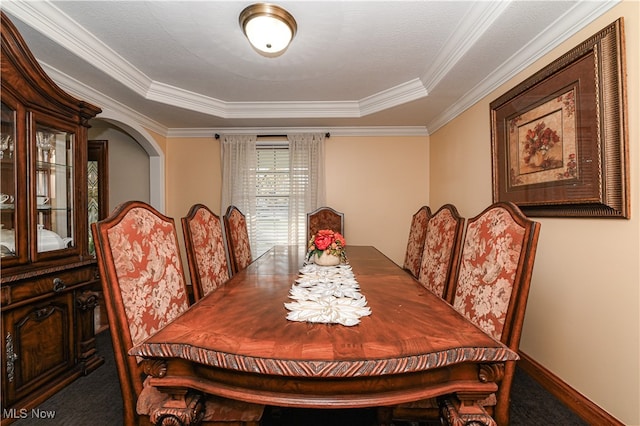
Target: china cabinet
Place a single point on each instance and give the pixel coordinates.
(49, 281)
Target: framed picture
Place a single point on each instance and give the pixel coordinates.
(559, 139)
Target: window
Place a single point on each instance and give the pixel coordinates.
(271, 225)
(274, 183)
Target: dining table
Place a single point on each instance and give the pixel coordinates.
(239, 342)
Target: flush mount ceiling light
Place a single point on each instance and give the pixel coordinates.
(268, 27)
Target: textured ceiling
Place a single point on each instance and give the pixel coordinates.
(186, 64)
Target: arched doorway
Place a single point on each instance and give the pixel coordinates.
(150, 146)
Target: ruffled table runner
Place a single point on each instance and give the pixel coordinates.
(327, 294)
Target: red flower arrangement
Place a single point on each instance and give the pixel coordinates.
(538, 143)
(329, 242)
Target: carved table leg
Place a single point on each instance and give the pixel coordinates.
(465, 411)
(183, 409)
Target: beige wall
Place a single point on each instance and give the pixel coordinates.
(583, 315)
(378, 183)
(193, 175)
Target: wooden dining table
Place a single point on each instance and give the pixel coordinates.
(237, 343)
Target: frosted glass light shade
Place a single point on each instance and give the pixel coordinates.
(268, 28)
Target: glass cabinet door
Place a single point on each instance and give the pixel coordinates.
(54, 188)
(7, 182)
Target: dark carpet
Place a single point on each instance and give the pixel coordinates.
(96, 400)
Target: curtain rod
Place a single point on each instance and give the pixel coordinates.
(326, 135)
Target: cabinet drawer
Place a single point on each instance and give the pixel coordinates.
(47, 284)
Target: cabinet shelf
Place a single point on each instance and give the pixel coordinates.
(44, 166)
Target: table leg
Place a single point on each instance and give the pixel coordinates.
(464, 410)
(184, 408)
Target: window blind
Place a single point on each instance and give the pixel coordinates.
(272, 196)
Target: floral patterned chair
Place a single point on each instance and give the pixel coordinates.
(144, 288)
(441, 252)
(206, 250)
(239, 248)
(415, 243)
(324, 218)
(493, 282)
(491, 290)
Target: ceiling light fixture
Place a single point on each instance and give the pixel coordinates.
(268, 27)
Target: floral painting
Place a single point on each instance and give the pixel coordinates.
(542, 142)
(559, 139)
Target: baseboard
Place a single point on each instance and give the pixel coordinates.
(578, 403)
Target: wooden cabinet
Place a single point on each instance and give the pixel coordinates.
(49, 280)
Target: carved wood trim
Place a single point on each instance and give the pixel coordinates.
(87, 300)
(464, 413)
(181, 410)
(323, 368)
(12, 357)
(154, 367)
(491, 373)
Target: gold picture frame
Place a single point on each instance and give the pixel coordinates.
(559, 139)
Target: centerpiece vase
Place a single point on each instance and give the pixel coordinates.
(326, 259)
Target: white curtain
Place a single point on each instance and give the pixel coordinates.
(307, 184)
(307, 179)
(239, 176)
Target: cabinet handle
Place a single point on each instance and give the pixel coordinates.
(58, 285)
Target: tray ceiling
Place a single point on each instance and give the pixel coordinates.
(187, 65)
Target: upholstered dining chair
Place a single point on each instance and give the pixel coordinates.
(415, 243)
(206, 250)
(144, 288)
(491, 290)
(238, 245)
(441, 251)
(324, 218)
(493, 282)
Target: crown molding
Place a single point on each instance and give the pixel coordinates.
(344, 109)
(171, 95)
(47, 19)
(475, 23)
(86, 93)
(580, 15)
(398, 95)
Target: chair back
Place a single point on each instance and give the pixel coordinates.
(143, 284)
(441, 252)
(493, 280)
(239, 248)
(206, 251)
(324, 218)
(415, 243)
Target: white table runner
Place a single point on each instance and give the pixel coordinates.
(327, 294)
